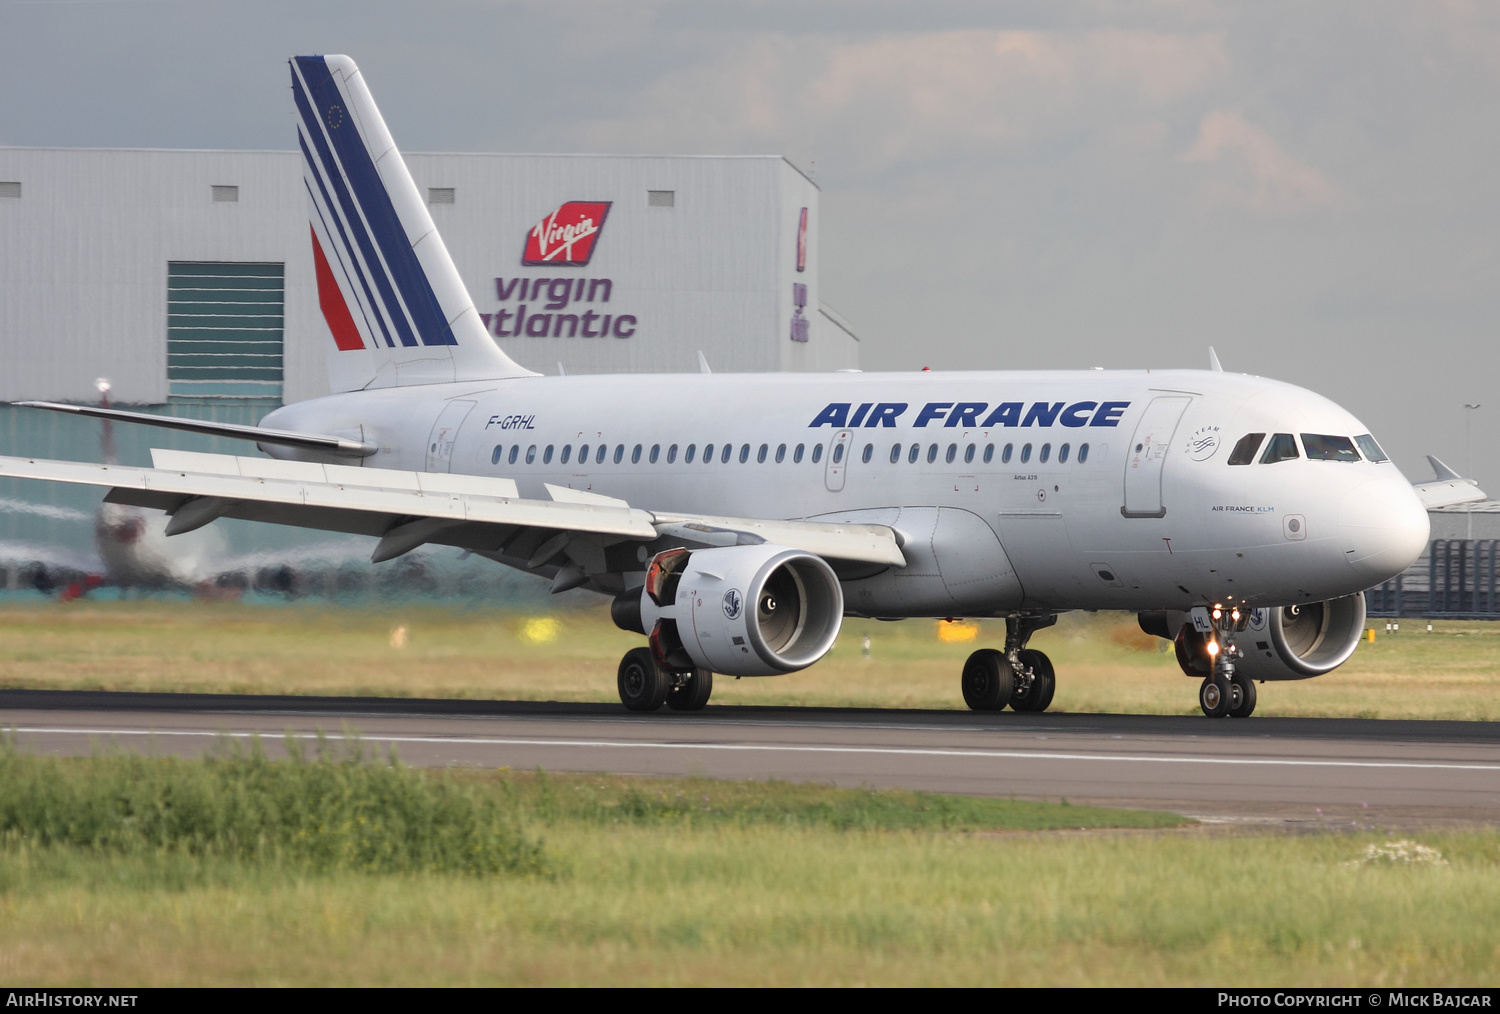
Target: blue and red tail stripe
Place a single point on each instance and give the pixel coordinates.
(363, 209)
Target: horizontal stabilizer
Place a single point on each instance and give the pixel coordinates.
(328, 444)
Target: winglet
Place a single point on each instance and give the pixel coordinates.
(1442, 471)
(703, 363)
(1213, 360)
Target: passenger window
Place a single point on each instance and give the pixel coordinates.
(1280, 447)
(687, 457)
(895, 453)
(989, 453)
(583, 454)
(1025, 454)
(780, 453)
(531, 454)
(1370, 448)
(728, 450)
(655, 452)
(817, 454)
(869, 453)
(797, 455)
(599, 455)
(495, 457)
(931, 453)
(952, 453)
(1083, 453)
(1062, 455)
(1244, 451)
(547, 455)
(1046, 453)
(515, 452)
(760, 455)
(635, 455)
(1005, 454)
(969, 454)
(708, 453)
(744, 453)
(619, 453)
(911, 455)
(566, 454)
(672, 455)
(1321, 447)
(838, 453)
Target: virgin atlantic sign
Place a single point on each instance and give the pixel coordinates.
(566, 237)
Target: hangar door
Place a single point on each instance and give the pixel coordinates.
(1147, 454)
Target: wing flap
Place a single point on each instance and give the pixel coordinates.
(837, 541)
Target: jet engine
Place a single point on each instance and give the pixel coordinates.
(739, 610)
(1279, 643)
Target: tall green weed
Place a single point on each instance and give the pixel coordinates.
(337, 810)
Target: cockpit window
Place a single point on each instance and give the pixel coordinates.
(1370, 448)
(1281, 447)
(1244, 451)
(1321, 447)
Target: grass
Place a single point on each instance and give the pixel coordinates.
(334, 812)
(695, 882)
(1104, 662)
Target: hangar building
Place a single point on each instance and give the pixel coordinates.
(186, 278)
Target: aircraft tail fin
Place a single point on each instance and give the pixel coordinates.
(396, 309)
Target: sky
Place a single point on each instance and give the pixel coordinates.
(1311, 188)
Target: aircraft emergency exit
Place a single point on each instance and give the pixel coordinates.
(736, 519)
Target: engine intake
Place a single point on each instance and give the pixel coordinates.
(1280, 643)
(741, 610)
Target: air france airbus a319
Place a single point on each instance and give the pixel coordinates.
(736, 519)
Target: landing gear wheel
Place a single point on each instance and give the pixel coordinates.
(1037, 695)
(643, 684)
(1244, 703)
(987, 680)
(1214, 697)
(692, 692)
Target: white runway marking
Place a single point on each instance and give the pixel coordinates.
(791, 748)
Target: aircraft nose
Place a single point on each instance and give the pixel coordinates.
(1383, 527)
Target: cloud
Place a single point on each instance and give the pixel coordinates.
(1252, 170)
(911, 97)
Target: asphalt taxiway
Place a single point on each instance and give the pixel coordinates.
(1325, 770)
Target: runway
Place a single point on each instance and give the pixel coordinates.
(1319, 771)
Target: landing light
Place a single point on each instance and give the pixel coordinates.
(1213, 648)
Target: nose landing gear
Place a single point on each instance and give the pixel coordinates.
(1225, 692)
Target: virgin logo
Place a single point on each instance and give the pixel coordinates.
(567, 235)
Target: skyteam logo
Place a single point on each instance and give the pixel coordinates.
(733, 603)
(567, 236)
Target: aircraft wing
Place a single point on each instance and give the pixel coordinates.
(342, 446)
(571, 533)
(1449, 488)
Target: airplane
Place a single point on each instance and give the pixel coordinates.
(735, 520)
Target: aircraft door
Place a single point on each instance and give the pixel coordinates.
(1147, 454)
(838, 461)
(444, 433)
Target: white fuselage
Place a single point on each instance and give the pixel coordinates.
(1149, 516)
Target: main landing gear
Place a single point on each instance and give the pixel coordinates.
(1020, 677)
(645, 685)
(1225, 692)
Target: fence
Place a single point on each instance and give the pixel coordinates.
(1454, 579)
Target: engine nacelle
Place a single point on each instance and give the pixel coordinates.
(741, 610)
(1280, 643)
